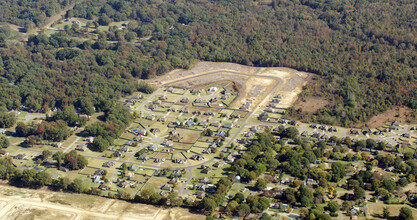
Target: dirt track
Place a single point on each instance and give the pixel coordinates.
(17, 203)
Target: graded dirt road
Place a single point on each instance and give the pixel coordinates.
(17, 203)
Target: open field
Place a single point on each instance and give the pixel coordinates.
(16, 203)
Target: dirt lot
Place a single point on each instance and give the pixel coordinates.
(400, 114)
(311, 104)
(17, 203)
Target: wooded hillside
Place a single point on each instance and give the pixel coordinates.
(363, 52)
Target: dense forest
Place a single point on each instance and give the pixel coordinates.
(363, 52)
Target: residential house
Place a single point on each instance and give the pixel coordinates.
(162, 119)
(226, 92)
(96, 179)
(179, 161)
(333, 129)
(269, 110)
(150, 117)
(173, 180)
(195, 91)
(228, 125)
(21, 157)
(203, 124)
(129, 174)
(133, 167)
(177, 173)
(197, 157)
(166, 187)
(104, 187)
(264, 116)
(117, 154)
(203, 180)
(173, 132)
(89, 140)
(38, 169)
(99, 172)
(201, 195)
(163, 97)
(2, 131)
(229, 158)
(316, 135)
(57, 144)
(354, 132)
(4, 152)
(225, 115)
(170, 89)
(81, 147)
(142, 132)
(282, 121)
(212, 89)
(159, 160)
(190, 123)
(185, 100)
(207, 151)
(219, 164)
(168, 143)
(153, 147)
(276, 100)
(138, 138)
(155, 130)
(124, 184)
(108, 164)
(207, 170)
(209, 113)
(215, 124)
(198, 100)
(293, 123)
(143, 158)
(304, 134)
(323, 127)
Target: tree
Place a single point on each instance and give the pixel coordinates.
(405, 214)
(4, 142)
(46, 154)
(243, 209)
(208, 205)
(388, 184)
(233, 205)
(239, 197)
(100, 144)
(260, 184)
(291, 132)
(338, 171)
(265, 216)
(59, 157)
(77, 185)
(333, 206)
(104, 20)
(359, 193)
(305, 196)
(385, 213)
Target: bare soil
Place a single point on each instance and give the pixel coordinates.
(311, 104)
(22, 203)
(400, 114)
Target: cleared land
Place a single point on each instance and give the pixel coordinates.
(17, 203)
